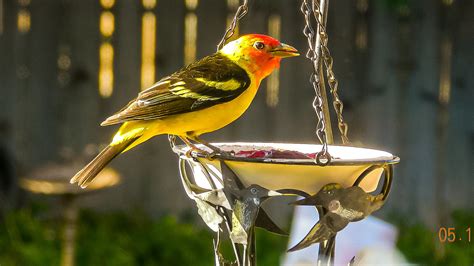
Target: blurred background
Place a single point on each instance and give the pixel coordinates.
(405, 76)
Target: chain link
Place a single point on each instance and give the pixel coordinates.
(331, 77)
(312, 55)
(241, 12)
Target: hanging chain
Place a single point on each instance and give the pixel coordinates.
(331, 77)
(312, 55)
(241, 12)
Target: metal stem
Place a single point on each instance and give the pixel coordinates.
(68, 246)
(327, 116)
(235, 248)
(327, 247)
(253, 252)
(323, 16)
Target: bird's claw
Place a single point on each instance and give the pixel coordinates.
(211, 155)
(189, 153)
(206, 154)
(219, 153)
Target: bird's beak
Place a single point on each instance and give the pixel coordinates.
(273, 193)
(284, 50)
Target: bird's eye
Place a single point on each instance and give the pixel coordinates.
(259, 45)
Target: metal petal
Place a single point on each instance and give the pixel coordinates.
(209, 214)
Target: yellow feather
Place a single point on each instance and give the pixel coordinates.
(187, 93)
(127, 131)
(208, 119)
(179, 83)
(228, 85)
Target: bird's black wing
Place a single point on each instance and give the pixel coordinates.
(212, 80)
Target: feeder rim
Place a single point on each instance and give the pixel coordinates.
(380, 160)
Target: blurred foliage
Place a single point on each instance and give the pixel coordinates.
(28, 237)
(396, 4)
(25, 240)
(118, 238)
(421, 245)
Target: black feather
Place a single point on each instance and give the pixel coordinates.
(159, 101)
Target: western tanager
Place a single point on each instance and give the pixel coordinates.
(202, 97)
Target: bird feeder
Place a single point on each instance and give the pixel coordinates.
(53, 180)
(230, 187)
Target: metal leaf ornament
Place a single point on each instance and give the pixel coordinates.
(246, 206)
(209, 214)
(341, 206)
(207, 201)
(215, 197)
(246, 209)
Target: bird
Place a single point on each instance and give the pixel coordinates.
(341, 206)
(202, 97)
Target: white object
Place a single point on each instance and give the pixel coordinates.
(367, 237)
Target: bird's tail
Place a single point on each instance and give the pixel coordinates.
(84, 177)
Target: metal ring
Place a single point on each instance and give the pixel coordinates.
(321, 157)
(387, 183)
(365, 173)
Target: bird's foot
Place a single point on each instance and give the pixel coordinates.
(210, 155)
(216, 152)
(192, 150)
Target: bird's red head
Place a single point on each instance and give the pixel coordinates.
(258, 54)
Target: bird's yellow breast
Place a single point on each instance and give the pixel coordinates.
(192, 123)
(208, 119)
